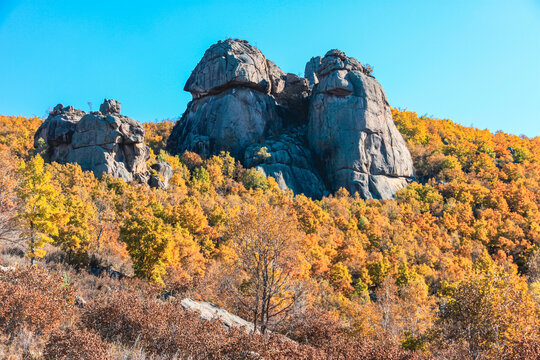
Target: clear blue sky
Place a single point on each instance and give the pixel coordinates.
(473, 61)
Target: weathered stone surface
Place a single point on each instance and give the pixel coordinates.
(351, 131)
(278, 78)
(57, 131)
(242, 102)
(311, 69)
(7, 268)
(210, 312)
(160, 176)
(110, 107)
(101, 142)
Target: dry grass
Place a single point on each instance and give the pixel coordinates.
(32, 299)
(68, 344)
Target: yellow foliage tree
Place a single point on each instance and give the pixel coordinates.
(41, 212)
(487, 311)
(8, 195)
(155, 245)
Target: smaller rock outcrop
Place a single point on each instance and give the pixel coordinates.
(103, 142)
(110, 107)
(160, 174)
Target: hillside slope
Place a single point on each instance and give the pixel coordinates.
(449, 269)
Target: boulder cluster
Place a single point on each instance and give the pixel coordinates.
(332, 128)
(104, 142)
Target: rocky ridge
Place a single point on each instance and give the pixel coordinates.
(332, 128)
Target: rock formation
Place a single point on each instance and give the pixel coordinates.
(103, 142)
(316, 134)
(241, 99)
(231, 105)
(288, 161)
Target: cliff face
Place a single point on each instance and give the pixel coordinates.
(328, 130)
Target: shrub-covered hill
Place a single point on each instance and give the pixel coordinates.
(450, 268)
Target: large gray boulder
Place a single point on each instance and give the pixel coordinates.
(352, 133)
(210, 312)
(102, 142)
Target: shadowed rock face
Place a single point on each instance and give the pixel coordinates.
(228, 121)
(101, 142)
(290, 163)
(328, 130)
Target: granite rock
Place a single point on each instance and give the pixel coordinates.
(289, 161)
(229, 121)
(243, 102)
(210, 312)
(110, 106)
(160, 176)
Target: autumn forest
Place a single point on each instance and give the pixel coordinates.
(96, 268)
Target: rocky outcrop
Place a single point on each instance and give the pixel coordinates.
(103, 142)
(210, 312)
(328, 130)
(351, 130)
